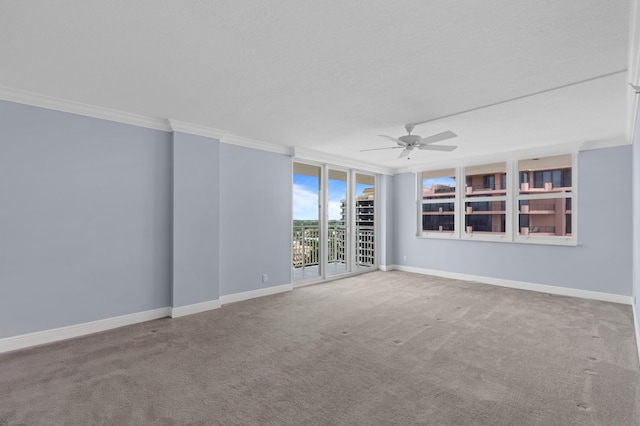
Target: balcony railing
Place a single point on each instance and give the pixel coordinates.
(542, 207)
(469, 189)
(485, 208)
(306, 240)
(549, 230)
(337, 238)
(305, 246)
(365, 246)
(542, 229)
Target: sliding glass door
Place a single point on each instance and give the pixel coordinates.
(364, 202)
(306, 221)
(337, 218)
(333, 222)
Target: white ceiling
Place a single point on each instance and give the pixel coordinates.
(331, 75)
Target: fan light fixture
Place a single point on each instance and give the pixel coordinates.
(409, 142)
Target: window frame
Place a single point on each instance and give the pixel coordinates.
(488, 198)
(573, 196)
(456, 207)
(511, 199)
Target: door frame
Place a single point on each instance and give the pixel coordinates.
(350, 226)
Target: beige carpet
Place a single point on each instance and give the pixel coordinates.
(381, 348)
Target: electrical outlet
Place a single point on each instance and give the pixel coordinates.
(404, 258)
(265, 278)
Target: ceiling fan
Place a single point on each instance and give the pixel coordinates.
(410, 142)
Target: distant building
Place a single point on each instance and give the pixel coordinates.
(364, 209)
(365, 245)
(547, 216)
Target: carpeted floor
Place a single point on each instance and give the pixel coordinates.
(380, 348)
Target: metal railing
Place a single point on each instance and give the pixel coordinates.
(306, 240)
(542, 207)
(305, 246)
(489, 207)
(337, 237)
(365, 246)
(471, 188)
(542, 229)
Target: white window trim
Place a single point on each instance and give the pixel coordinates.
(455, 235)
(511, 199)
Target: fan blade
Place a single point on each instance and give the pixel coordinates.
(398, 141)
(404, 153)
(438, 137)
(444, 148)
(378, 149)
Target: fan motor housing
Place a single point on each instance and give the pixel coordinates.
(410, 139)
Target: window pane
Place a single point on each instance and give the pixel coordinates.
(365, 208)
(438, 184)
(337, 220)
(438, 217)
(306, 196)
(545, 217)
(548, 174)
(486, 180)
(486, 217)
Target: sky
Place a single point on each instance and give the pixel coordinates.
(426, 183)
(305, 197)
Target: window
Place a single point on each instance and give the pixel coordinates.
(484, 202)
(545, 208)
(527, 200)
(438, 201)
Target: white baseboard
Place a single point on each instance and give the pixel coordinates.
(49, 336)
(181, 311)
(385, 268)
(77, 330)
(635, 327)
(522, 285)
(245, 295)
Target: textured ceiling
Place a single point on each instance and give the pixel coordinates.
(331, 75)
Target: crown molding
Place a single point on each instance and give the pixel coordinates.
(73, 107)
(195, 129)
(604, 143)
(225, 137)
(325, 157)
(167, 125)
(255, 144)
(544, 151)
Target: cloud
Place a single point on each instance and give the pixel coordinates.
(305, 203)
(334, 210)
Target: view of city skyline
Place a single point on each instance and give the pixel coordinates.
(305, 197)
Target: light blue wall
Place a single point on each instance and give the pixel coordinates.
(602, 261)
(255, 219)
(100, 219)
(636, 216)
(385, 210)
(84, 219)
(196, 239)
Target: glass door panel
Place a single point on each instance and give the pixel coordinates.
(306, 221)
(364, 203)
(337, 219)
